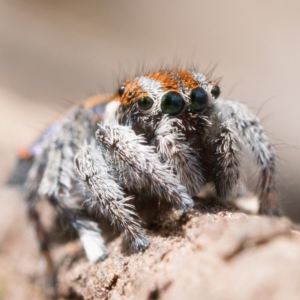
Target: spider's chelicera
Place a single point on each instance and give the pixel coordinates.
(165, 134)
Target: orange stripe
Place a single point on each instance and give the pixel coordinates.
(167, 82)
(133, 91)
(187, 79)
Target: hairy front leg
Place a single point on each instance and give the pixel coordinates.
(174, 150)
(107, 197)
(140, 166)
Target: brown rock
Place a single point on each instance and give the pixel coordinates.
(218, 255)
(212, 253)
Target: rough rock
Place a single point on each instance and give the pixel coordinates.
(212, 253)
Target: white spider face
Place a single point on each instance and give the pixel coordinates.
(176, 94)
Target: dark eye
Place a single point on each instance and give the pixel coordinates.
(199, 99)
(215, 91)
(145, 103)
(121, 90)
(172, 103)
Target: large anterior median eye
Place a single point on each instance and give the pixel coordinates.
(145, 103)
(199, 99)
(172, 103)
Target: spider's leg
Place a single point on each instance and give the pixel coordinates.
(76, 128)
(106, 196)
(38, 154)
(269, 202)
(52, 176)
(88, 230)
(226, 146)
(140, 165)
(60, 185)
(175, 151)
(266, 160)
(92, 240)
(32, 198)
(256, 140)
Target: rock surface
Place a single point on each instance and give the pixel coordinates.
(212, 253)
(217, 254)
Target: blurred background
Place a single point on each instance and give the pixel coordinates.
(55, 53)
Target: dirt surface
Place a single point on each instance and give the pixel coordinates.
(218, 255)
(212, 253)
(20, 262)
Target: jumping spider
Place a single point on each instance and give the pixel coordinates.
(165, 134)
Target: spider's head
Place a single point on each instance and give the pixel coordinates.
(175, 93)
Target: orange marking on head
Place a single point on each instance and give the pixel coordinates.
(167, 82)
(187, 79)
(132, 92)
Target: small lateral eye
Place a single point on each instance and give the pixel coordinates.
(172, 103)
(215, 91)
(199, 100)
(121, 90)
(145, 103)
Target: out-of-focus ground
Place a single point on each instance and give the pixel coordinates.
(54, 53)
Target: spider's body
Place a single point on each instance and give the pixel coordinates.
(164, 134)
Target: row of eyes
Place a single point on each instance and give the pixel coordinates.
(172, 103)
